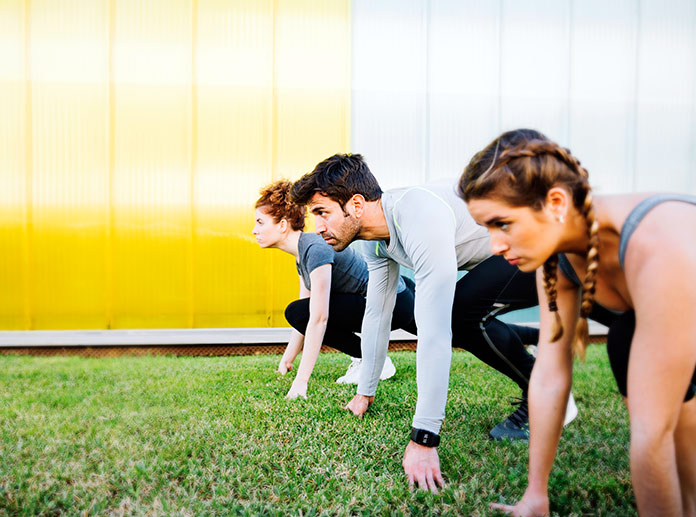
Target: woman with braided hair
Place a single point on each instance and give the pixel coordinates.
(333, 286)
(633, 258)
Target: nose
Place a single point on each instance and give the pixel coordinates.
(319, 226)
(498, 245)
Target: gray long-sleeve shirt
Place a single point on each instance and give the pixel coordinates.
(431, 232)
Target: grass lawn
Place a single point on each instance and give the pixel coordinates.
(203, 436)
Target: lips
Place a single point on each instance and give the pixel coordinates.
(513, 261)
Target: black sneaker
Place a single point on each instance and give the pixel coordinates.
(516, 426)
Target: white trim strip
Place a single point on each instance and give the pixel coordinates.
(150, 337)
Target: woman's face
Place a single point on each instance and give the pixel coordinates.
(525, 237)
(267, 232)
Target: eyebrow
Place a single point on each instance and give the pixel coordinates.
(493, 220)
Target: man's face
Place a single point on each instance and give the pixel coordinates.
(338, 228)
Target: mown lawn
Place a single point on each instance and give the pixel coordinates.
(206, 436)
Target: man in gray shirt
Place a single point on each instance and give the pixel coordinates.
(428, 229)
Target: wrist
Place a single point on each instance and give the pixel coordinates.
(424, 437)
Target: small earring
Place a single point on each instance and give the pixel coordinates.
(560, 219)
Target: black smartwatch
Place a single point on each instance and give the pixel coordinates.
(426, 438)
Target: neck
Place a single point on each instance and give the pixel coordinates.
(290, 243)
(576, 237)
(373, 224)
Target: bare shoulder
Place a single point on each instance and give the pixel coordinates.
(665, 236)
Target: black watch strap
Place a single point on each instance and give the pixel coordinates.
(426, 438)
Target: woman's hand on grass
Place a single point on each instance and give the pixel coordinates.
(422, 467)
(528, 506)
(298, 389)
(359, 404)
(284, 366)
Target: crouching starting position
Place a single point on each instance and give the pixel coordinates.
(428, 229)
(332, 290)
(634, 254)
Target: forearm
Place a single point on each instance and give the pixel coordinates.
(655, 474)
(547, 402)
(314, 337)
(294, 346)
(376, 326)
(374, 345)
(433, 358)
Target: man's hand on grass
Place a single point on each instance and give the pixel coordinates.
(298, 389)
(359, 404)
(422, 467)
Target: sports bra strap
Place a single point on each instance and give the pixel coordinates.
(567, 269)
(637, 214)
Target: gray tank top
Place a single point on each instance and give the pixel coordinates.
(629, 226)
(349, 271)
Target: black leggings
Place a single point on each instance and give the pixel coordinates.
(492, 288)
(619, 348)
(346, 313)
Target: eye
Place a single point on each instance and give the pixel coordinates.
(502, 225)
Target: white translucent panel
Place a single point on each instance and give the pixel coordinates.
(602, 90)
(464, 82)
(665, 118)
(389, 80)
(435, 81)
(534, 54)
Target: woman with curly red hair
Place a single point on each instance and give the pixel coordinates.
(629, 253)
(333, 286)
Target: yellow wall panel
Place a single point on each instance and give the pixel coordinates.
(151, 178)
(234, 57)
(14, 311)
(135, 138)
(69, 53)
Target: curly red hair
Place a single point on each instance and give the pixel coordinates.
(275, 200)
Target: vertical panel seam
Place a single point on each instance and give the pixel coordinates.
(274, 150)
(111, 129)
(349, 61)
(692, 183)
(194, 163)
(636, 92)
(499, 27)
(426, 135)
(570, 26)
(28, 171)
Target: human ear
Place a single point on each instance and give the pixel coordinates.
(283, 225)
(557, 203)
(358, 203)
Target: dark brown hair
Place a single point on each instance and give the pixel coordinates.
(275, 200)
(339, 178)
(519, 168)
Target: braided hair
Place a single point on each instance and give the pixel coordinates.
(276, 201)
(519, 168)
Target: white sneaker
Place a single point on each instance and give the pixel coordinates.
(571, 411)
(388, 370)
(352, 375)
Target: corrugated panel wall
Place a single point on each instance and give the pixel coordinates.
(134, 136)
(134, 139)
(435, 80)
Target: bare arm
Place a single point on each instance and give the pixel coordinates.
(549, 387)
(296, 340)
(314, 336)
(662, 361)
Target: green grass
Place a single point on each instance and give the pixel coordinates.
(203, 436)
